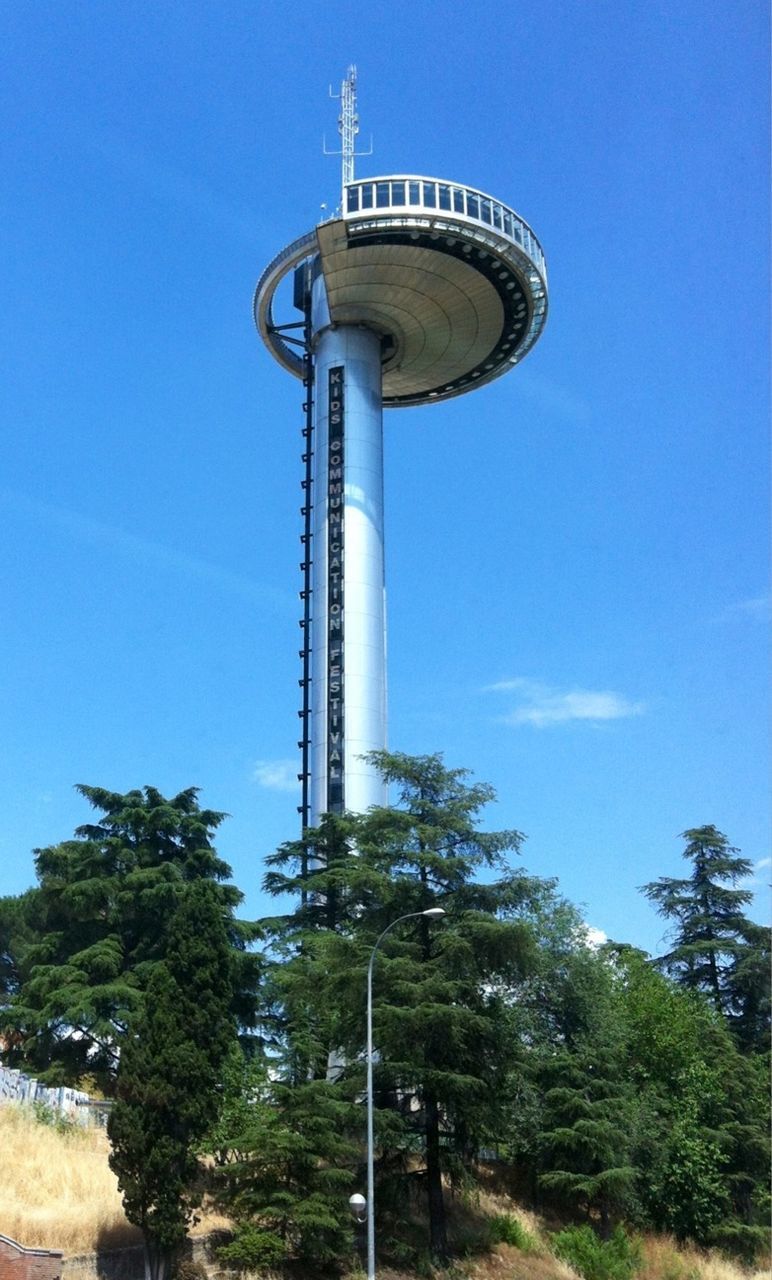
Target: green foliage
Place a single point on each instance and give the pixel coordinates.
(240, 1120)
(84, 956)
(17, 933)
(167, 1090)
(295, 1168)
(52, 1118)
(439, 1007)
(589, 1113)
(717, 950)
(252, 1249)
(505, 1229)
(615, 1259)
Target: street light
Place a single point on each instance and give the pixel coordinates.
(432, 913)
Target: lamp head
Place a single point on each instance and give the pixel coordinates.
(358, 1206)
(434, 912)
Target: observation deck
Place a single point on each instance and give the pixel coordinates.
(452, 280)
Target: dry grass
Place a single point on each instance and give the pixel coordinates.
(664, 1259)
(57, 1190)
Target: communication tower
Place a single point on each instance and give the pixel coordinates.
(416, 290)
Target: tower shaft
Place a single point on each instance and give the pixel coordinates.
(349, 628)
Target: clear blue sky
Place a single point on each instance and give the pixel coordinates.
(576, 555)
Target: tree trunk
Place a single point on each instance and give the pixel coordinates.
(157, 1261)
(438, 1232)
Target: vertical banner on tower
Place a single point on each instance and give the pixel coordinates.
(335, 620)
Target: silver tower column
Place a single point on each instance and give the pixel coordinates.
(348, 600)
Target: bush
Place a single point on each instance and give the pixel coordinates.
(252, 1249)
(51, 1118)
(505, 1229)
(595, 1259)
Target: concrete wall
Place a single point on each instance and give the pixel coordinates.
(15, 1086)
(129, 1264)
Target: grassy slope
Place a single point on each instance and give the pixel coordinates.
(57, 1192)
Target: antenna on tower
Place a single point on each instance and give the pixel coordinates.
(348, 126)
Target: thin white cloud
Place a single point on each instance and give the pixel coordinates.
(757, 608)
(759, 874)
(542, 705)
(553, 397)
(276, 775)
(594, 938)
(144, 550)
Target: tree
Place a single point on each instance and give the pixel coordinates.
(702, 1150)
(168, 1085)
(710, 929)
(100, 920)
(17, 915)
(295, 1166)
(438, 998)
(589, 1115)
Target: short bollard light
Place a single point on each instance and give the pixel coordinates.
(358, 1206)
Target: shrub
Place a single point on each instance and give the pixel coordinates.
(53, 1119)
(253, 1248)
(505, 1229)
(595, 1259)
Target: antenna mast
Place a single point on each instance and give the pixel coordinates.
(348, 126)
(348, 123)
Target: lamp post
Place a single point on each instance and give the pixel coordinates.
(432, 913)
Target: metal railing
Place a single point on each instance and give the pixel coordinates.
(435, 198)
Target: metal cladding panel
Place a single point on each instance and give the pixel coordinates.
(362, 666)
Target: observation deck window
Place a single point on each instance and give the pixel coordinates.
(388, 193)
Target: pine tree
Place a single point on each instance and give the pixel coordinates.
(438, 1002)
(717, 949)
(708, 914)
(589, 1115)
(100, 915)
(168, 1086)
